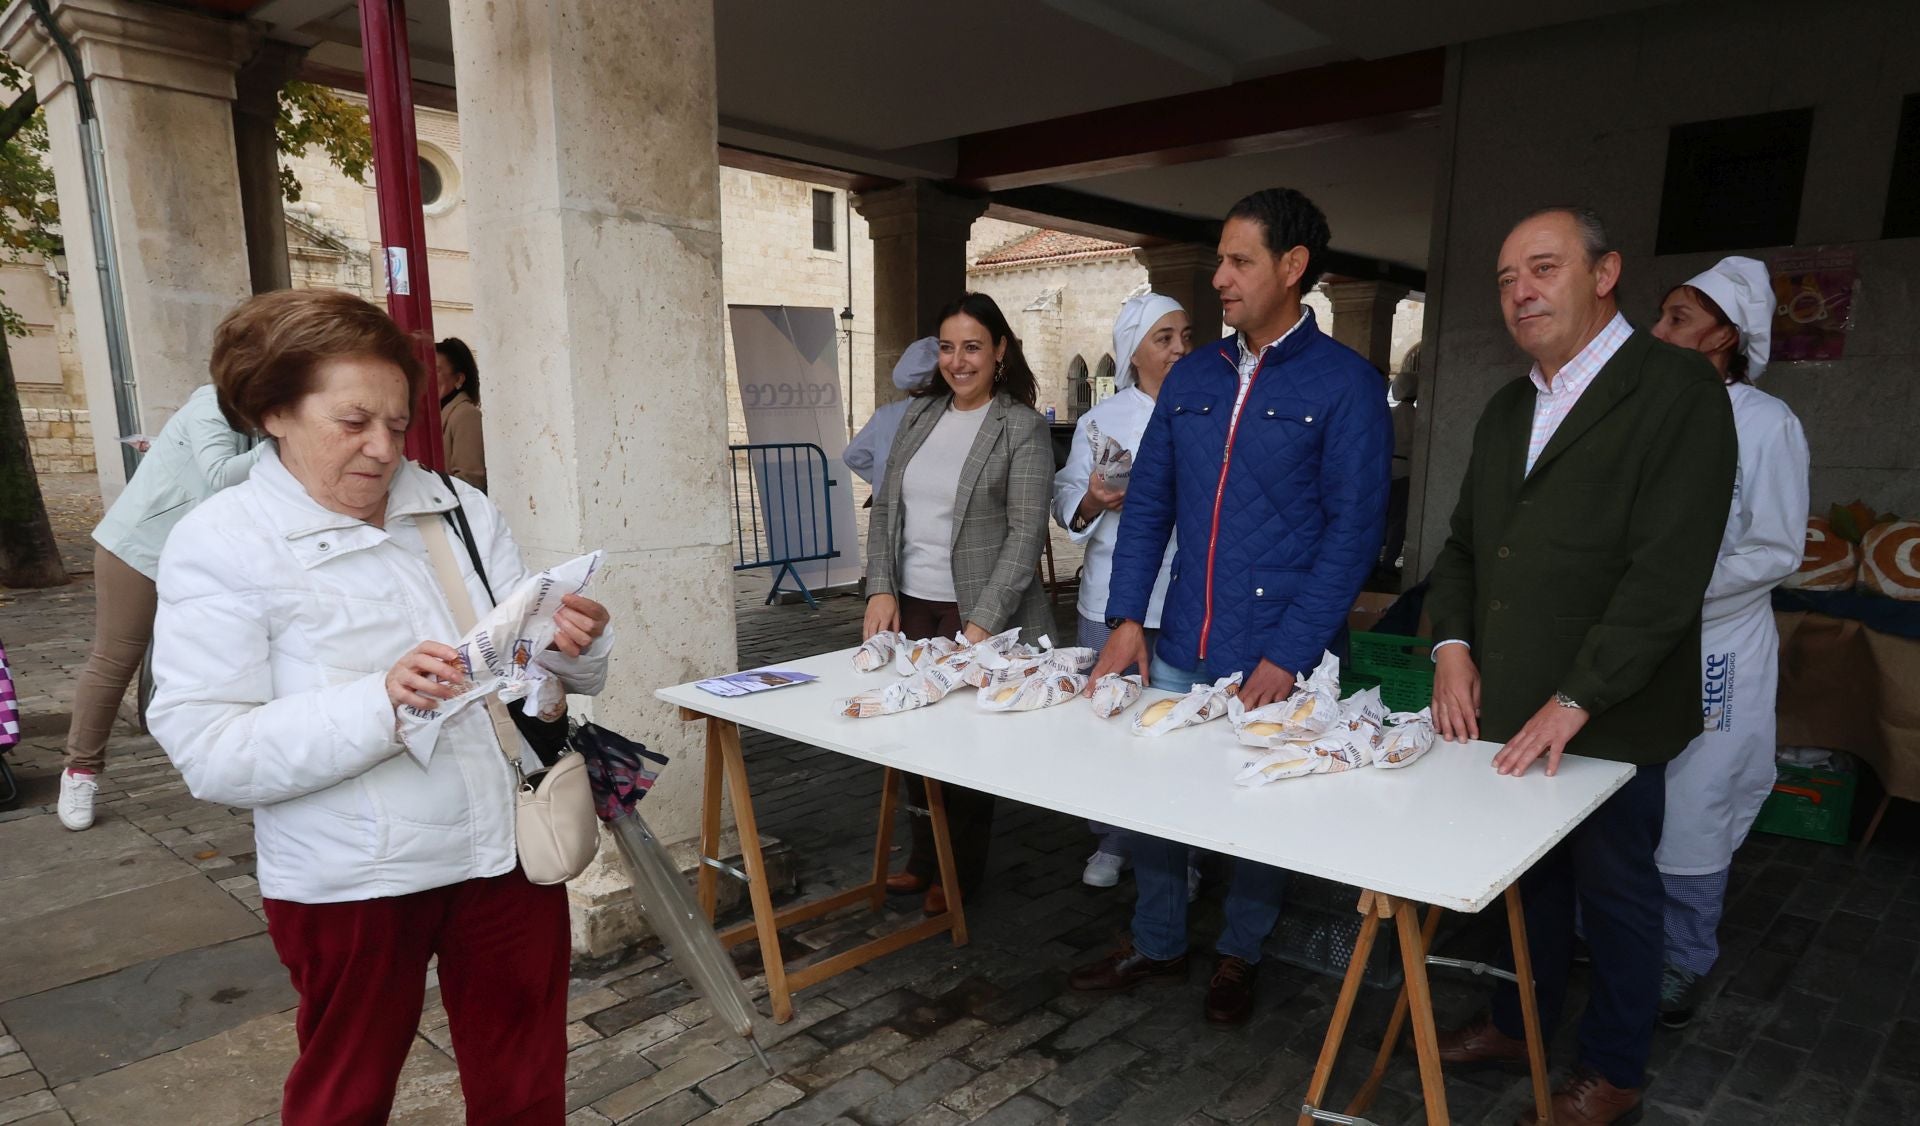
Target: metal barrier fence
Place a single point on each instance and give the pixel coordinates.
(782, 510)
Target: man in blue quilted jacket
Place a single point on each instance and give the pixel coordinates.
(1271, 453)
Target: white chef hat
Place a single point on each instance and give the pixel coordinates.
(1743, 289)
(917, 364)
(1137, 318)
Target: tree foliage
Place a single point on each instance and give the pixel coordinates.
(314, 115)
(29, 215)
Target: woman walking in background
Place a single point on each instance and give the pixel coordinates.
(196, 454)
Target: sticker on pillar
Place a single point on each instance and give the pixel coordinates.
(399, 278)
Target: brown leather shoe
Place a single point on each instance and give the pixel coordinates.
(1479, 1044)
(1124, 969)
(1587, 1099)
(906, 883)
(936, 901)
(1230, 993)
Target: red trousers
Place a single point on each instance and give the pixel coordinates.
(361, 968)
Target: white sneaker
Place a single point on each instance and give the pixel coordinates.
(1103, 870)
(76, 799)
(1193, 883)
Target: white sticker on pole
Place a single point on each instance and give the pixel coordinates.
(399, 279)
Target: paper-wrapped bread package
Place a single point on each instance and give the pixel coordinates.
(501, 653)
(1310, 712)
(910, 657)
(1043, 689)
(876, 652)
(1113, 694)
(1205, 702)
(1407, 736)
(1112, 462)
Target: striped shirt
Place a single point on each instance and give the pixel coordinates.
(1553, 402)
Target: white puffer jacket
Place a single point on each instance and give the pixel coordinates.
(278, 621)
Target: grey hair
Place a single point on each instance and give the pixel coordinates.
(1592, 228)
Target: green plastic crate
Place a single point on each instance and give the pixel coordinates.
(1399, 666)
(1812, 804)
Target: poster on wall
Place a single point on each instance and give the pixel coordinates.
(1814, 294)
(789, 502)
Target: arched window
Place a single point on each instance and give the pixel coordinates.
(1079, 390)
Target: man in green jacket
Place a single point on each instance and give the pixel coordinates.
(1566, 604)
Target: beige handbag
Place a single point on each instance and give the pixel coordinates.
(555, 828)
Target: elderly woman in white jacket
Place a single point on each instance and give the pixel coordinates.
(297, 612)
(1715, 787)
(1150, 335)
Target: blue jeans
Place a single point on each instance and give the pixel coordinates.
(1160, 874)
(1604, 868)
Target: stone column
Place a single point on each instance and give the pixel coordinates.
(596, 263)
(1184, 272)
(256, 109)
(1363, 317)
(919, 265)
(162, 85)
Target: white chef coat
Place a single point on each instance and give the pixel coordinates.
(1715, 787)
(1123, 417)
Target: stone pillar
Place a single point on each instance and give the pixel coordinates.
(596, 253)
(919, 265)
(1184, 272)
(256, 110)
(1363, 317)
(162, 85)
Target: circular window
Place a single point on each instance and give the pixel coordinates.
(432, 187)
(439, 181)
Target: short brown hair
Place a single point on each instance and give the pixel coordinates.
(266, 351)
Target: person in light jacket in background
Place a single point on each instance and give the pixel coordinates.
(298, 611)
(1150, 335)
(457, 377)
(866, 454)
(954, 541)
(1715, 787)
(196, 454)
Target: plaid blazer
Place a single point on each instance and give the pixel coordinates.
(1000, 516)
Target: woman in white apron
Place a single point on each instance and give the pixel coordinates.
(1715, 787)
(1150, 334)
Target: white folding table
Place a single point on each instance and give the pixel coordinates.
(1446, 831)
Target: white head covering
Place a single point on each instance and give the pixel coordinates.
(917, 364)
(1744, 291)
(1137, 317)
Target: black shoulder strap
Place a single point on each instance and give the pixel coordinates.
(458, 518)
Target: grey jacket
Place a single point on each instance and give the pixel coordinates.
(1000, 516)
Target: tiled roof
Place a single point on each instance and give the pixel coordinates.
(1047, 247)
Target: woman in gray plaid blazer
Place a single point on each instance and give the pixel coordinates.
(956, 532)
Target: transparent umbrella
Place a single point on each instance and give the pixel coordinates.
(619, 771)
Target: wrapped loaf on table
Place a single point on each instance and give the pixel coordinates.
(1406, 737)
(876, 652)
(1043, 689)
(910, 657)
(1311, 711)
(1205, 702)
(1113, 694)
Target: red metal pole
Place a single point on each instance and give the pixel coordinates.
(403, 231)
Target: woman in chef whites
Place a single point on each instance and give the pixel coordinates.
(1150, 335)
(1715, 787)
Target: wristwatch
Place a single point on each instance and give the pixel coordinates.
(1116, 623)
(1567, 701)
(1078, 523)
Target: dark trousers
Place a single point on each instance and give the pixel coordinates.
(1605, 867)
(361, 968)
(969, 812)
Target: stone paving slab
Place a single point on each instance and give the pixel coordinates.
(45, 868)
(234, 1077)
(116, 931)
(105, 1022)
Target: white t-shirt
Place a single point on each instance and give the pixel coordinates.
(928, 489)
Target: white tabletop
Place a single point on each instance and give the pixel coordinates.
(1446, 830)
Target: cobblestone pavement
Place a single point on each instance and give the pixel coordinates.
(137, 984)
